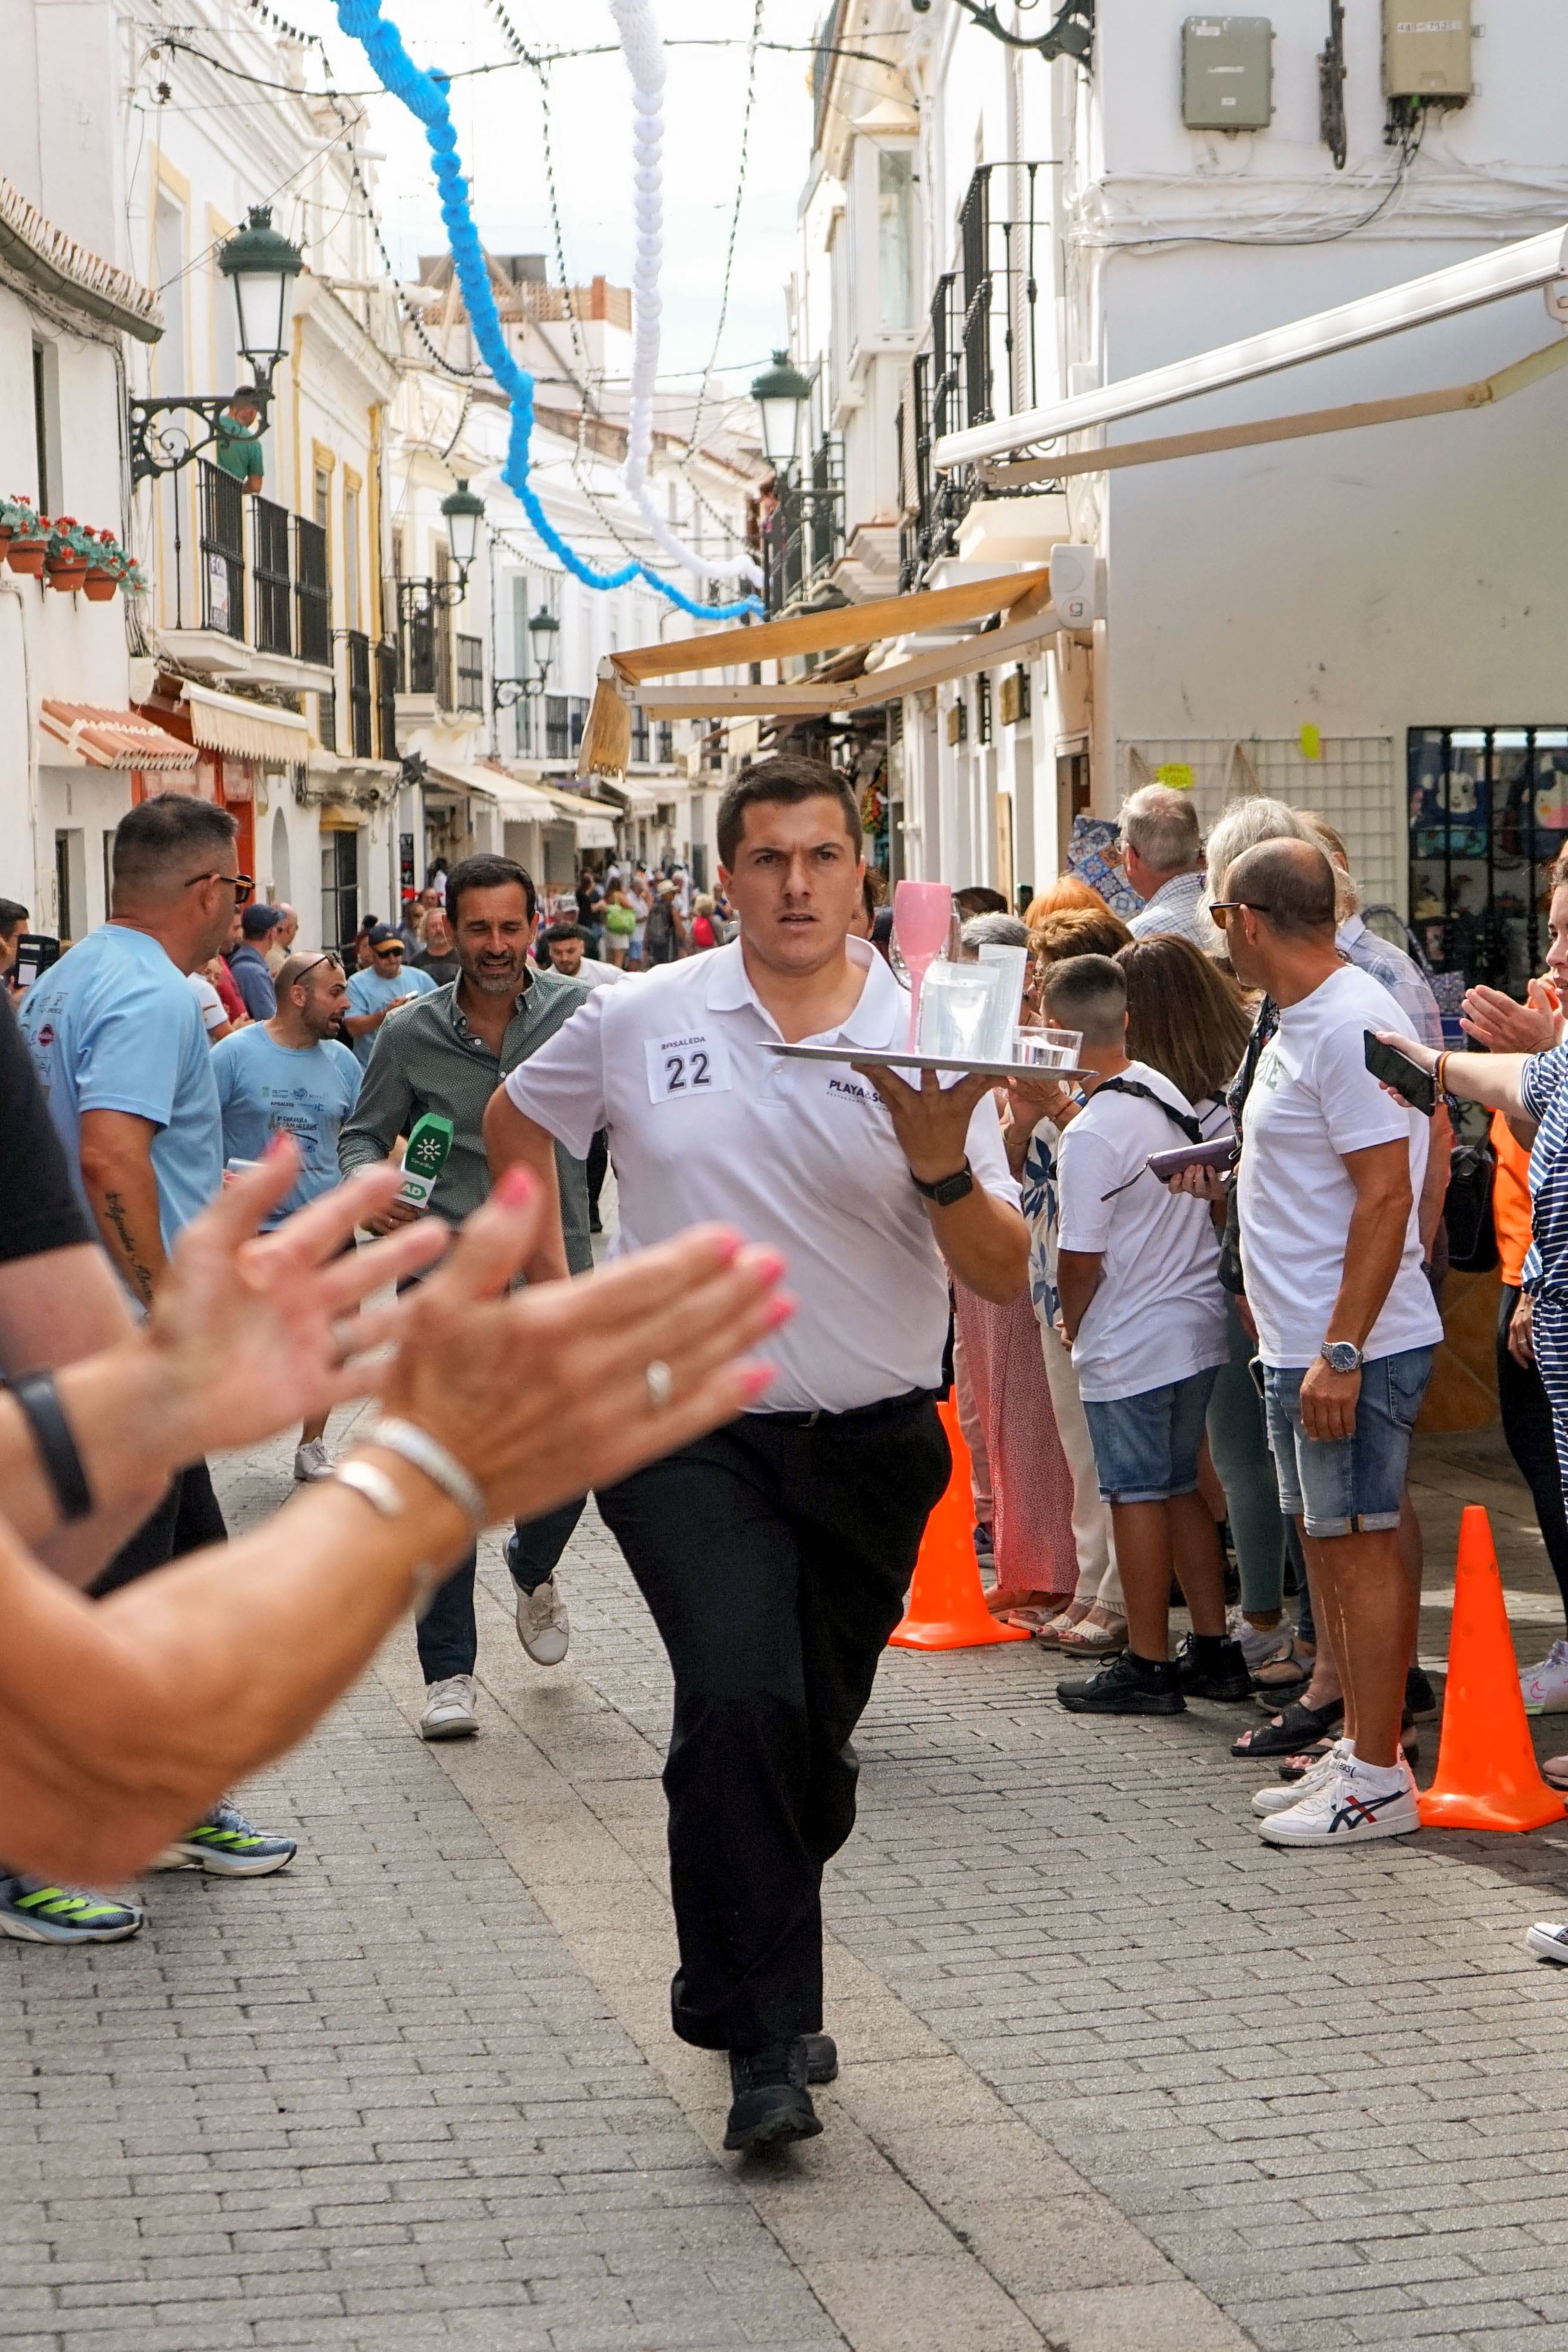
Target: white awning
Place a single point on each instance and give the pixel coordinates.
(641, 799)
(251, 731)
(1417, 302)
(518, 802)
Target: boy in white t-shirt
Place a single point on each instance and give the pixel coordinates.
(1144, 1311)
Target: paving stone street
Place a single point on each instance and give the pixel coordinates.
(1115, 2075)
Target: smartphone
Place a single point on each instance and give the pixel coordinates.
(1408, 1079)
(35, 952)
(1221, 1153)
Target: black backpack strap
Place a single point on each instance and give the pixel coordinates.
(1188, 1125)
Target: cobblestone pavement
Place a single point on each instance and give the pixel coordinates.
(1115, 2075)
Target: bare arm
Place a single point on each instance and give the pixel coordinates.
(1435, 1183)
(1491, 1079)
(1374, 1247)
(1078, 1273)
(121, 1187)
(514, 1140)
(119, 1721)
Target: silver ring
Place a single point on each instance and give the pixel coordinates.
(660, 1383)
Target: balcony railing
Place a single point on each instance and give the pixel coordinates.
(221, 552)
(270, 582)
(979, 357)
(386, 700)
(361, 702)
(470, 673)
(804, 535)
(312, 592)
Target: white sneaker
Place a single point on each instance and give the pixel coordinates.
(1348, 1810)
(1545, 1687)
(543, 1627)
(1548, 1942)
(1258, 1644)
(311, 1462)
(1286, 1793)
(449, 1709)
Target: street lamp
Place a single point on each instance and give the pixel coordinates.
(463, 512)
(544, 629)
(781, 393)
(261, 265)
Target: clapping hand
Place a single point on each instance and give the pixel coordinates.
(1504, 1026)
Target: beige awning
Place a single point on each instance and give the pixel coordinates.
(522, 803)
(251, 731)
(114, 739)
(592, 820)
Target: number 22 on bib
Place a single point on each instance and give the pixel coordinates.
(687, 1069)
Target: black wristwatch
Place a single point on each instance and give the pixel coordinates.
(947, 1189)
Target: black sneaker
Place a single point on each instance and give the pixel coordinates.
(1420, 1698)
(772, 2104)
(821, 2058)
(1125, 1687)
(1224, 1674)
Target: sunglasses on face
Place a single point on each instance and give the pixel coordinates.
(243, 884)
(1221, 909)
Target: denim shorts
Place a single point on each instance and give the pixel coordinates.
(1348, 1485)
(1145, 1447)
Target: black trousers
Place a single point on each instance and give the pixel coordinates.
(447, 1635)
(598, 1170)
(775, 1556)
(188, 1517)
(1527, 1425)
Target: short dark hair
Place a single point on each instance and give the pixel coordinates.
(1087, 992)
(12, 915)
(487, 873)
(1290, 883)
(980, 899)
(788, 777)
(568, 931)
(156, 838)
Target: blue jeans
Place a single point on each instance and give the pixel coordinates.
(1348, 1485)
(447, 1635)
(1145, 1447)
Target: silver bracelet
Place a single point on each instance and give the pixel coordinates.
(385, 1495)
(427, 1454)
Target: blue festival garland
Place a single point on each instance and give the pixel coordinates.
(425, 98)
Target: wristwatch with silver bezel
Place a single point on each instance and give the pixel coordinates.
(1342, 1355)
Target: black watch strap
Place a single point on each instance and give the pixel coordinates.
(36, 1395)
(946, 1189)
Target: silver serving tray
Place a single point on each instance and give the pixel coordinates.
(883, 1057)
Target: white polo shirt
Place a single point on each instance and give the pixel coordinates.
(707, 1125)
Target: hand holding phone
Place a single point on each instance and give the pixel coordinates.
(1221, 1153)
(1400, 1075)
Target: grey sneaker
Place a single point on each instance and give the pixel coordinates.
(450, 1712)
(311, 1462)
(543, 1627)
(36, 1911)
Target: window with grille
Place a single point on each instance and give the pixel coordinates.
(1488, 817)
(470, 673)
(360, 698)
(339, 888)
(223, 551)
(270, 577)
(640, 733)
(386, 701)
(313, 593)
(557, 730)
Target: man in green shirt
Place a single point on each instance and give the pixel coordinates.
(447, 1054)
(239, 450)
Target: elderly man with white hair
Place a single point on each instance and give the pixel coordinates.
(1162, 857)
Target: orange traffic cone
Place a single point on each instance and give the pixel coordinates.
(947, 1600)
(1487, 1773)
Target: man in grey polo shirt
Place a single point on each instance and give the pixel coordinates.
(447, 1054)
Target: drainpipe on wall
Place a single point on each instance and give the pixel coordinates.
(10, 589)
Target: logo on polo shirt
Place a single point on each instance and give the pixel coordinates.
(855, 1091)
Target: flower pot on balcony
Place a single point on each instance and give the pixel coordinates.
(99, 585)
(26, 555)
(65, 573)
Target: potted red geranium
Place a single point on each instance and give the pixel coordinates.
(102, 571)
(29, 539)
(65, 559)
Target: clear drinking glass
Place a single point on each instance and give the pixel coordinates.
(1053, 1049)
(957, 1007)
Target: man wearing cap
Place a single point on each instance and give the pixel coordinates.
(247, 960)
(380, 988)
(775, 1555)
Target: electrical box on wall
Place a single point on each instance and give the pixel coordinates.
(1427, 49)
(1227, 73)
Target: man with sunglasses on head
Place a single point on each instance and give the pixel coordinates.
(384, 984)
(117, 1039)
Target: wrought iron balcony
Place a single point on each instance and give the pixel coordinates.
(803, 537)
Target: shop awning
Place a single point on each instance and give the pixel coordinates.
(523, 803)
(593, 823)
(1417, 302)
(114, 739)
(250, 731)
(1020, 600)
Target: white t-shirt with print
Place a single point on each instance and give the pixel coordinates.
(1158, 1314)
(1312, 1100)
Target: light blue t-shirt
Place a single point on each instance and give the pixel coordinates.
(368, 992)
(266, 1089)
(114, 1025)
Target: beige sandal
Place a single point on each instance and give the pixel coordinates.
(1089, 1640)
(1061, 1621)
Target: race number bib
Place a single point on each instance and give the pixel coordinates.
(687, 1069)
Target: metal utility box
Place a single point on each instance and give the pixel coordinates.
(1227, 73)
(1427, 49)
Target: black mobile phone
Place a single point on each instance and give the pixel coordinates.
(35, 952)
(1408, 1079)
